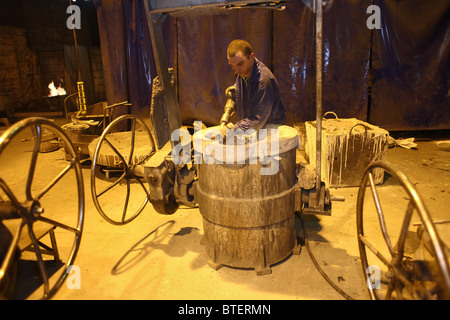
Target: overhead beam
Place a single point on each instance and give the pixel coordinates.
(164, 6)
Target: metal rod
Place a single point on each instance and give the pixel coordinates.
(127, 198)
(57, 178)
(61, 225)
(319, 50)
(380, 213)
(11, 251)
(42, 268)
(113, 184)
(76, 46)
(133, 138)
(374, 250)
(122, 159)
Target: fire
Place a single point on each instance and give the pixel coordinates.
(56, 91)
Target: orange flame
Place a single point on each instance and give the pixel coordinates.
(55, 91)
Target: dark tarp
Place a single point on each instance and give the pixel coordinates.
(70, 58)
(139, 57)
(409, 63)
(203, 70)
(127, 53)
(140, 63)
(346, 56)
(111, 23)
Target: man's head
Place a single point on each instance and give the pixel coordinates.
(241, 57)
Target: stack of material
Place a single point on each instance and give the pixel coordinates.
(348, 147)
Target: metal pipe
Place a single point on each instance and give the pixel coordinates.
(230, 106)
(65, 105)
(80, 83)
(319, 51)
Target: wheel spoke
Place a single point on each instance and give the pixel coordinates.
(11, 250)
(133, 137)
(59, 224)
(41, 264)
(37, 143)
(380, 214)
(404, 231)
(125, 207)
(57, 178)
(140, 182)
(389, 291)
(145, 158)
(374, 250)
(144, 203)
(112, 185)
(9, 193)
(118, 153)
(398, 272)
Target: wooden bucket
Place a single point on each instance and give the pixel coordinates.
(74, 131)
(248, 217)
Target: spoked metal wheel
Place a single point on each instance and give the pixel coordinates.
(396, 264)
(35, 204)
(117, 183)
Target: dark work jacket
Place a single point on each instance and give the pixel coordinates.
(259, 102)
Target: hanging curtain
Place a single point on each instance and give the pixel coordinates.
(396, 77)
(411, 65)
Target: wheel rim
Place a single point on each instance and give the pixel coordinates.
(30, 211)
(128, 164)
(399, 276)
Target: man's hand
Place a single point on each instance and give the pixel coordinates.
(223, 128)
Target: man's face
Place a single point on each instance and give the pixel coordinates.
(241, 64)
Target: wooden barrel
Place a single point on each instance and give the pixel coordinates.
(248, 215)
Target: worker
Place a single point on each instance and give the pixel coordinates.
(258, 100)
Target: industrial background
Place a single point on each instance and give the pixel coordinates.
(395, 77)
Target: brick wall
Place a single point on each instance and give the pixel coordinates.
(52, 66)
(32, 40)
(95, 55)
(19, 71)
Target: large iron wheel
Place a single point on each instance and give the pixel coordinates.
(119, 156)
(400, 275)
(29, 210)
